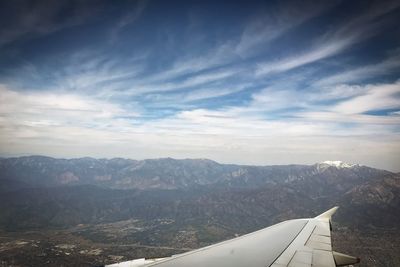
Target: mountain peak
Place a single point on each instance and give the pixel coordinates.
(338, 164)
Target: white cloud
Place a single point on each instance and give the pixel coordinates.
(333, 42)
(340, 91)
(376, 97)
(357, 74)
(289, 63)
(272, 98)
(274, 21)
(62, 125)
(133, 15)
(48, 108)
(192, 64)
(93, 72)
(190, 82)
(383, 122)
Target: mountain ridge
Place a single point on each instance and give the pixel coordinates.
(163, 173)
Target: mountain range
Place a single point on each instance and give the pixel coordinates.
(198, 200)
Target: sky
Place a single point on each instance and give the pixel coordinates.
(251, 82)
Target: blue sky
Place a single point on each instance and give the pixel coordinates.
(268, 82)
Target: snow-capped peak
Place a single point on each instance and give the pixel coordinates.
(338, 164)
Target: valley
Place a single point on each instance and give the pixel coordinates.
(169, 206)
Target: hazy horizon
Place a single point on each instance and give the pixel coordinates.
(174, 158)
(256, 83)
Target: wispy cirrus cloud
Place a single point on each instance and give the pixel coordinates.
(192, 81)
(358, 74)
(202, 93)
(127, 19)
(375, 97)
(19, 109)
(31, 18)
(335, 41)
(296, 61)
(274, 21)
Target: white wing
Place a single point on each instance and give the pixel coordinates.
(294, 243)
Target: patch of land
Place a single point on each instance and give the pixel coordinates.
(94, 245)
(70, 248)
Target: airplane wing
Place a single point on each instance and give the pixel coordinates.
(293, 243)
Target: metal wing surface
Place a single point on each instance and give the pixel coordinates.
(293, 243)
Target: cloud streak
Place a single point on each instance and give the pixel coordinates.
(30, 18)
(333, 42)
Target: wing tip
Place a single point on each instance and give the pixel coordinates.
(327, 214)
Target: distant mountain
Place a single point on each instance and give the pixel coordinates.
(338, 164)
(170, 173)
(39, 191)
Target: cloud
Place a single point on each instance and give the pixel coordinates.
(274, 21)
(198, 94)
(335, 41)
(368, 22)
(376, 97)
(47, 123)
(19, 109)
(289, 63)
(145, 87)
(189, 63)
(360, 119)
(354, 105)
(93, 72)
(385, 67)
(273, 99)
(340, 91)
(229, 135)
(133, 15)
(35, 18)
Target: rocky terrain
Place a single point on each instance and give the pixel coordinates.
(87, 212)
